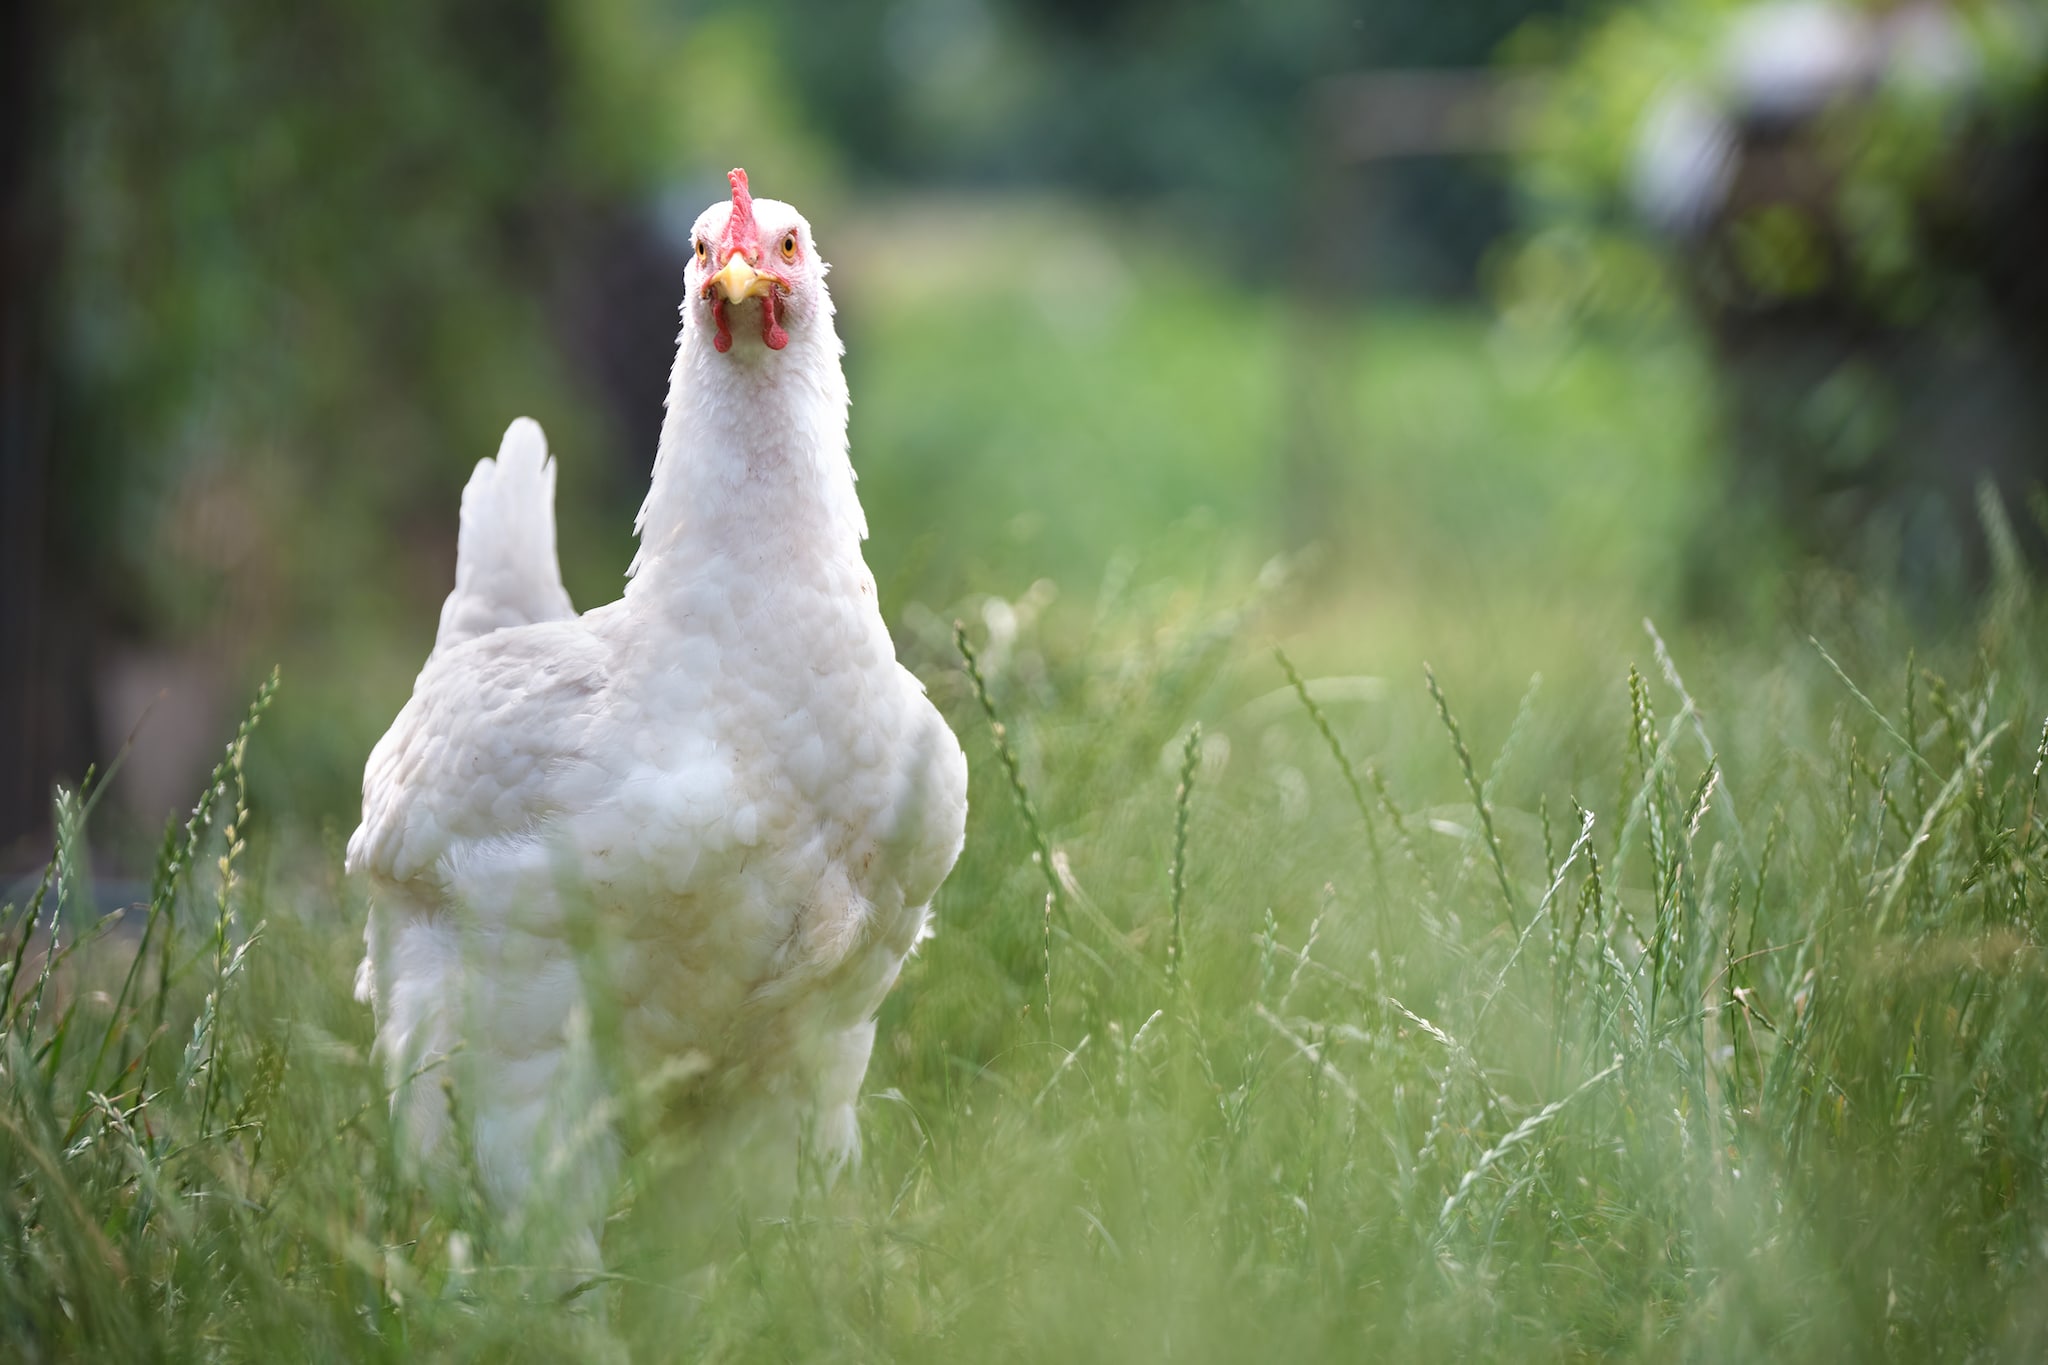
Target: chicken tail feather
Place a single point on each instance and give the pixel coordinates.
(506, 573)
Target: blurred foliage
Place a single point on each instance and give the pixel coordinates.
(1886, 151)
(305, 258)
(1844, 202)
(1203, 103)
(269, 297)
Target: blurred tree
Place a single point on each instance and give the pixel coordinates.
(1203, 104)
(44, 727)
(275, 260)
(1849, 200)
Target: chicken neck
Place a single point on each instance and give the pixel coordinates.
(752, 469)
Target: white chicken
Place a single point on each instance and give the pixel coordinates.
(705, 821)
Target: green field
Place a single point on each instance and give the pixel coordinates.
(1600, 994)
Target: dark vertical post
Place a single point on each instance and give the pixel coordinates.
(26, 250)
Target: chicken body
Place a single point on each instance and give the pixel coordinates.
(692, 834)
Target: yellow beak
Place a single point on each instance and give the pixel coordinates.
(740, 281)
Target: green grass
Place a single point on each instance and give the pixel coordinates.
(1690, 1010)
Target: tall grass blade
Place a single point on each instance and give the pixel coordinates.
(1479, 801)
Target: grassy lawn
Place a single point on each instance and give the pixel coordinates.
(1595, 996)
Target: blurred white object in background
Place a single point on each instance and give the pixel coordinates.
(1778, 66)
(1684, 161)
(1788, 61)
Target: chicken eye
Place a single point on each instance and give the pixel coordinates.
(702, 254)
(789, 247)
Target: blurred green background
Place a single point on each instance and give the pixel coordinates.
(1366, 300)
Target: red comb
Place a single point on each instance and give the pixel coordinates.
(742, 204)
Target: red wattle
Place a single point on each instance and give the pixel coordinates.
(771, 329)
(723, 341)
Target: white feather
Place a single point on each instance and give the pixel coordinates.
(505, 568)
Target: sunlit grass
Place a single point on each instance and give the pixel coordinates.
(1692, 1011)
